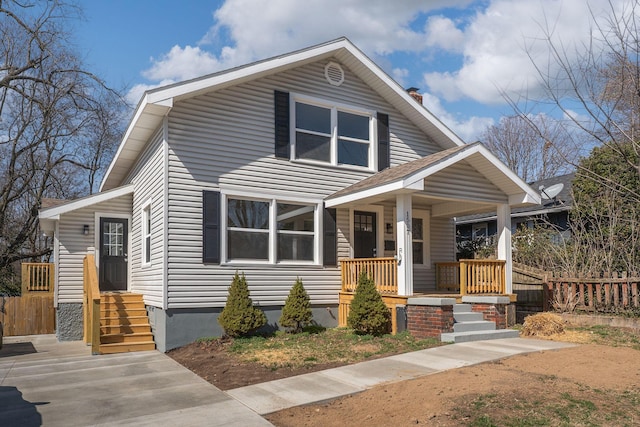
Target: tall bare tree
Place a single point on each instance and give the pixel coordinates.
(596, 86)
(535, 147)
(58, 122)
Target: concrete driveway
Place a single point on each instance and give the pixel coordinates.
(43, 382)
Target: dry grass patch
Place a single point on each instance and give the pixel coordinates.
(330, 346)
(543, 325)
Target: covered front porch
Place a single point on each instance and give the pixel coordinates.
(454, 280)
(400, 230)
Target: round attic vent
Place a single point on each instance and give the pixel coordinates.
(334, 73)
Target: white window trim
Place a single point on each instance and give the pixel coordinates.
(273, 232)
(334, 107)
(425, 216)
(146, 219)
(479, 226)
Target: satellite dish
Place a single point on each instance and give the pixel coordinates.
(551, 192)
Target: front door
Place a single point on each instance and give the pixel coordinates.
(113, 254)
(364, 234)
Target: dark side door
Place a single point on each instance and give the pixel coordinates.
(113, 254)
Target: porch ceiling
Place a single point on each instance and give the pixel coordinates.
(458, 181)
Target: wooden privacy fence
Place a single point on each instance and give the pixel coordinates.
(27, 315)
(383, 271)
(616, 293)
(32, 313)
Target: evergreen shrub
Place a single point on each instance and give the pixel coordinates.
(239, 317)
(368, 314)
(296, 313)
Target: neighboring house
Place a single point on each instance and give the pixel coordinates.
(279, 169)
(553, 210)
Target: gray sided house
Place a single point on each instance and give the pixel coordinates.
(556, 201)
(280, 169)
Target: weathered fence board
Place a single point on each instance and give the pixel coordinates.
(27, 315)
(617, 293)
(528, 285)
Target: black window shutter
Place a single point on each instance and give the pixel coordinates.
(384, 155)
(282, 134)
(210, 227)
(330, 252)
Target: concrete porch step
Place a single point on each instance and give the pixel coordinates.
(479, 325)
(462, 308)
(458, 337)
(467, 317)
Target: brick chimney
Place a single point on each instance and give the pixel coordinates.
(413, 91)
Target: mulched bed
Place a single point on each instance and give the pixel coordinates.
(211, 361)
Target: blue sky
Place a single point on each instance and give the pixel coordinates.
(462, 54)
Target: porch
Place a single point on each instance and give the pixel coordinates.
(454, 280)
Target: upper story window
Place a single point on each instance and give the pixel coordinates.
(332, 134)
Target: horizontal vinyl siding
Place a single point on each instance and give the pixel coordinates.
(226, 140)
(73, 244)
(461, 180)
(148, 179)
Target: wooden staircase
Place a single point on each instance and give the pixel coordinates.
(124, 324)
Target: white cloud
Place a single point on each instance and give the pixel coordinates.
(182, 63)
(400, 75)
(502, 41)
(442, 32)
(247, 30)
(485, 45)
(261, 29)
(469, 129)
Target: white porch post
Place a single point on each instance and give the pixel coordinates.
(404, 242)
(504, 242)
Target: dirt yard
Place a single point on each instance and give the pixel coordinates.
(587, 385)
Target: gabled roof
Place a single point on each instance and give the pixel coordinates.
(156, 103)
(409, 177)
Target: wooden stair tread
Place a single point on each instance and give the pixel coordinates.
(115, 334)
(124, 324)
(124, 347)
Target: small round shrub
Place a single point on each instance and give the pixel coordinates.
(296, 313)
(239, 317)
(368, 314)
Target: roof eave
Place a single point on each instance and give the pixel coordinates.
(54, 212)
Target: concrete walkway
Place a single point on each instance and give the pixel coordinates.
(43, 382)
(318, 386)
